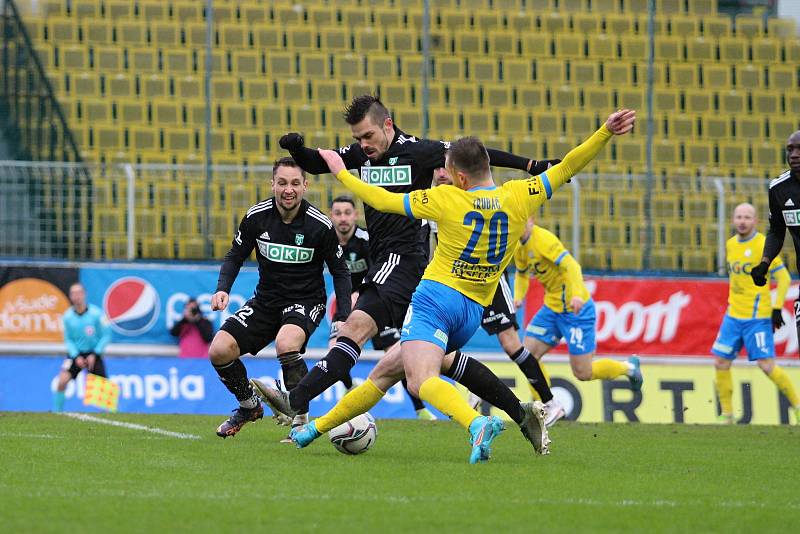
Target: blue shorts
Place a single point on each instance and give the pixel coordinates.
(754, 334)
(579, 330)
(441, 315)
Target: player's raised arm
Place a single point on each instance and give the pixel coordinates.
(342, 286)
(310, 159)
(377, 197)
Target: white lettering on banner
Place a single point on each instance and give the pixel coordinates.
(150, 388)
(633, 320)
(14, 323)
(177, 301)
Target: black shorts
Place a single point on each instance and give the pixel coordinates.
(72, 368)
(387, 288)
(500, 315)
(385, 338)
(255, 325)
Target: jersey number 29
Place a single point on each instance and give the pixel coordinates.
(498, 237)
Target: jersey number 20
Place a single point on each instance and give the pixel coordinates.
(498, 237)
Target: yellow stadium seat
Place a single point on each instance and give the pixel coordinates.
(188, 87)
(478, 122)
(402, 41)
(233, 36)
(436, 94)
(249, 142)
(669, 49)
(267, 37)
(681, 126)
(570, 46)
(117, 9)
(551, 71)
(750, 127)
(157, 248)
(502, 43)
(148, 222)
(628, 206)
(408, 120)
(702, 7)
(153, 10)
(684, 26)
(348, 66)
(618, 74)
(304, 117)
(300, 38)
(716, 26)
(701, 49)
(535, 45)
(468, 43)
(666, 100)
(748, 26)
(602, 46)
(701, 260)
(484, 70)
(585, 23)
(631, 98)
(96, 31)
(782, 78)
(443, 120)
(314, 66)
(396, 93)
(497, 95)
(765, 102)
(178, 61)
(665, 152)
(547, 123)
(594, 258)
(74, 58)
(581, 124)
(272, 116)
(595, 204)
(665, 206)
(463, 94)
(513, 122)
(130, 32)
(699, 207)
(85, 85)
(717, 76)
(280, 64)
(634, 47)
(630, 150)
(236, 115)
(553, 22)
(584, 71)
(256, 14)
(782, 28)
(247, 63)
(792, 103)
(531, 96)
(749, 77)
(768, 154)
(517, 70)
(131, 112)
(487, 19)
(179, 140)
(733, 102)
(369, 41)
(164, 34)
(699, 154)
(382, 66)
(521, 21)
(142, 60)
(733, 154)
(110, 221)
(449, 68)
(626, 259)
(166, 112)
(598, 97)
(334, 39)
(170, 194)
(291, 91)
(698, 101)
(325, 91)
(61, 30)
(154, 86)
(564, 97)
(144, 139)
(733, 50)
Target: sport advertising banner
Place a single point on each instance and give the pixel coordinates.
(164, 385)
(32, 301)
(671, 394)
(667, 316)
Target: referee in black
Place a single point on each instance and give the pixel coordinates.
(784, 211)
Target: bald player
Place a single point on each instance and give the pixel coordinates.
(752, 316)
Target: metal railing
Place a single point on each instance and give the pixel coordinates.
(129, 211)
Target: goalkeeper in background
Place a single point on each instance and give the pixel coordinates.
(751, 317)
(86, 334)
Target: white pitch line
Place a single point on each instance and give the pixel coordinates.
(132, 426)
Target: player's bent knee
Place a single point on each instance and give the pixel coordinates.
(582, 374)
(359, 327)
(767, 365)
(290, 338)
(223, 349)
(722, 364)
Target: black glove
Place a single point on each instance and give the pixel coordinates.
(777, 319)
(538, 167)
(292, 141)
(759, 273)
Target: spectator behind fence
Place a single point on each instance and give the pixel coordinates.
(194, 332)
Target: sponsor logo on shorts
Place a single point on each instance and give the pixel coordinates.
(791, 217)
(387, 176)
(441, 336)
(298, 308)
(285, 253)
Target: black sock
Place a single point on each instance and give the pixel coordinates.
(418, 404)
(533, 372)
(329, 370)
(482, 382)
(294, 369)
(234, 376)
(347, 381)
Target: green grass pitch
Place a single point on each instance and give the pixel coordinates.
(65, 475)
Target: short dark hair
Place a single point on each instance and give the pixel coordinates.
(344, 198)
(364, 105)
(287, 161)
(469, 156)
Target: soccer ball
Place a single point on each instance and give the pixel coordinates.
(355, 436)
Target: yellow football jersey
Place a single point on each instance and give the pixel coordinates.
(745, 299)
(543, 256)
(478, 231)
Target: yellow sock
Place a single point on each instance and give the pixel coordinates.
(606, 369)
(357, 401)
(781, 380)
(535, 393)
(724, 386)
(446, 399)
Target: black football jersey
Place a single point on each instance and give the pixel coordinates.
(406, 166)
(290, 256)
(356, 256)
(784, 212)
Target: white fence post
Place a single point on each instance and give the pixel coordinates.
(576, 219)
(721, 224)
(131, 234)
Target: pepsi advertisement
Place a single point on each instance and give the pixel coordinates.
(165, 385)
(143, 302)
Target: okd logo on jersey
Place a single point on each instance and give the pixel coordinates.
(285, 253)
(387, 176)
(792, 217)
(131, 305)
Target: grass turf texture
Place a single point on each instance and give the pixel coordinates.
(65, 475)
